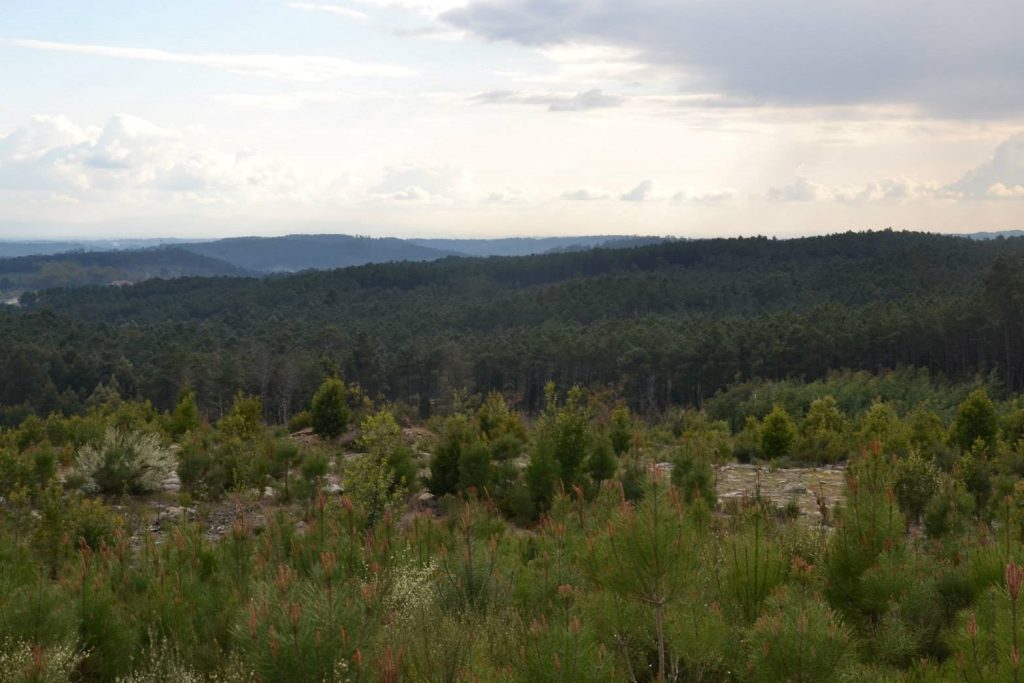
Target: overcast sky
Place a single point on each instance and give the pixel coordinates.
(519, 117)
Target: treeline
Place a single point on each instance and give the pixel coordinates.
(667, 324)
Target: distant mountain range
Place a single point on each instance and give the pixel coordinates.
(35, 265)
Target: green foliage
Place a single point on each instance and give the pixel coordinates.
(185, 417)
(329, 411)
(975, 420)
(620, 430)
(564, 433)
(798, 639)
(456, 437)
(916, 482)
(692, 474)
(777, 433)
(601, 463)
(949, 510)
(245, 419)
(124, 462)
(373, 485)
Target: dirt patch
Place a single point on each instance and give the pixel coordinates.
(811, 489)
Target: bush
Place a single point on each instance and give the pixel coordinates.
(330, 410)
(975, 419)
(124, 462)
(777, 433)
(917, 480)
(797, 639)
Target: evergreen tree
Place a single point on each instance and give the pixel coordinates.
(777, 433)
(330, 409)
(975, 419)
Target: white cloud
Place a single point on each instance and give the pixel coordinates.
(337, 10)
(800, 190)
(428, 8)
(505, 196)
(301, 68)
(130, 158)
(691, 196)
(584, 195)
(583, 101)
(1001, 177)
(409, 182)
(891, 190)
(641, 193)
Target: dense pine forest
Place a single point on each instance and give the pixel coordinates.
(726, 461)
(661, 325)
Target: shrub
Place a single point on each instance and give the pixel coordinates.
(621, 430)
(798, 639)
(299, 421)
(777, 433)
(124, 462)
(330, 409)
(917, 480)
(975, 419)
(693, 476)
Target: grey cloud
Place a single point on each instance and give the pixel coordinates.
(946, 57)
(640, 193)
(584, 195)
(583, 101)
(800, 190)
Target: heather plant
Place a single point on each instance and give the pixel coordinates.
(124, 462)
(23, 661)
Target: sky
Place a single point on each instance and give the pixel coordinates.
(208, 118)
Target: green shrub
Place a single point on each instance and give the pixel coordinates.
(330, 409)
(797, 639)
(124, 462)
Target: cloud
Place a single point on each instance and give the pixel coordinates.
(943, 57)
(337, 10)
(422, 183)
(697, 197)
(130, 157)
(640, 193)
(1001, 177)
(427, 8)
(505, 196)
(892, 190)
(800, 190)
(583, 101)
(584, 195)
(302, 68)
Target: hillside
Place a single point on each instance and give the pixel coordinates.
(527, 246)
(667, 324)
(85, 268)
(312, 252)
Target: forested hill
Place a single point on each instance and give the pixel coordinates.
(82, 268)
(304, 252)
(666, 323)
